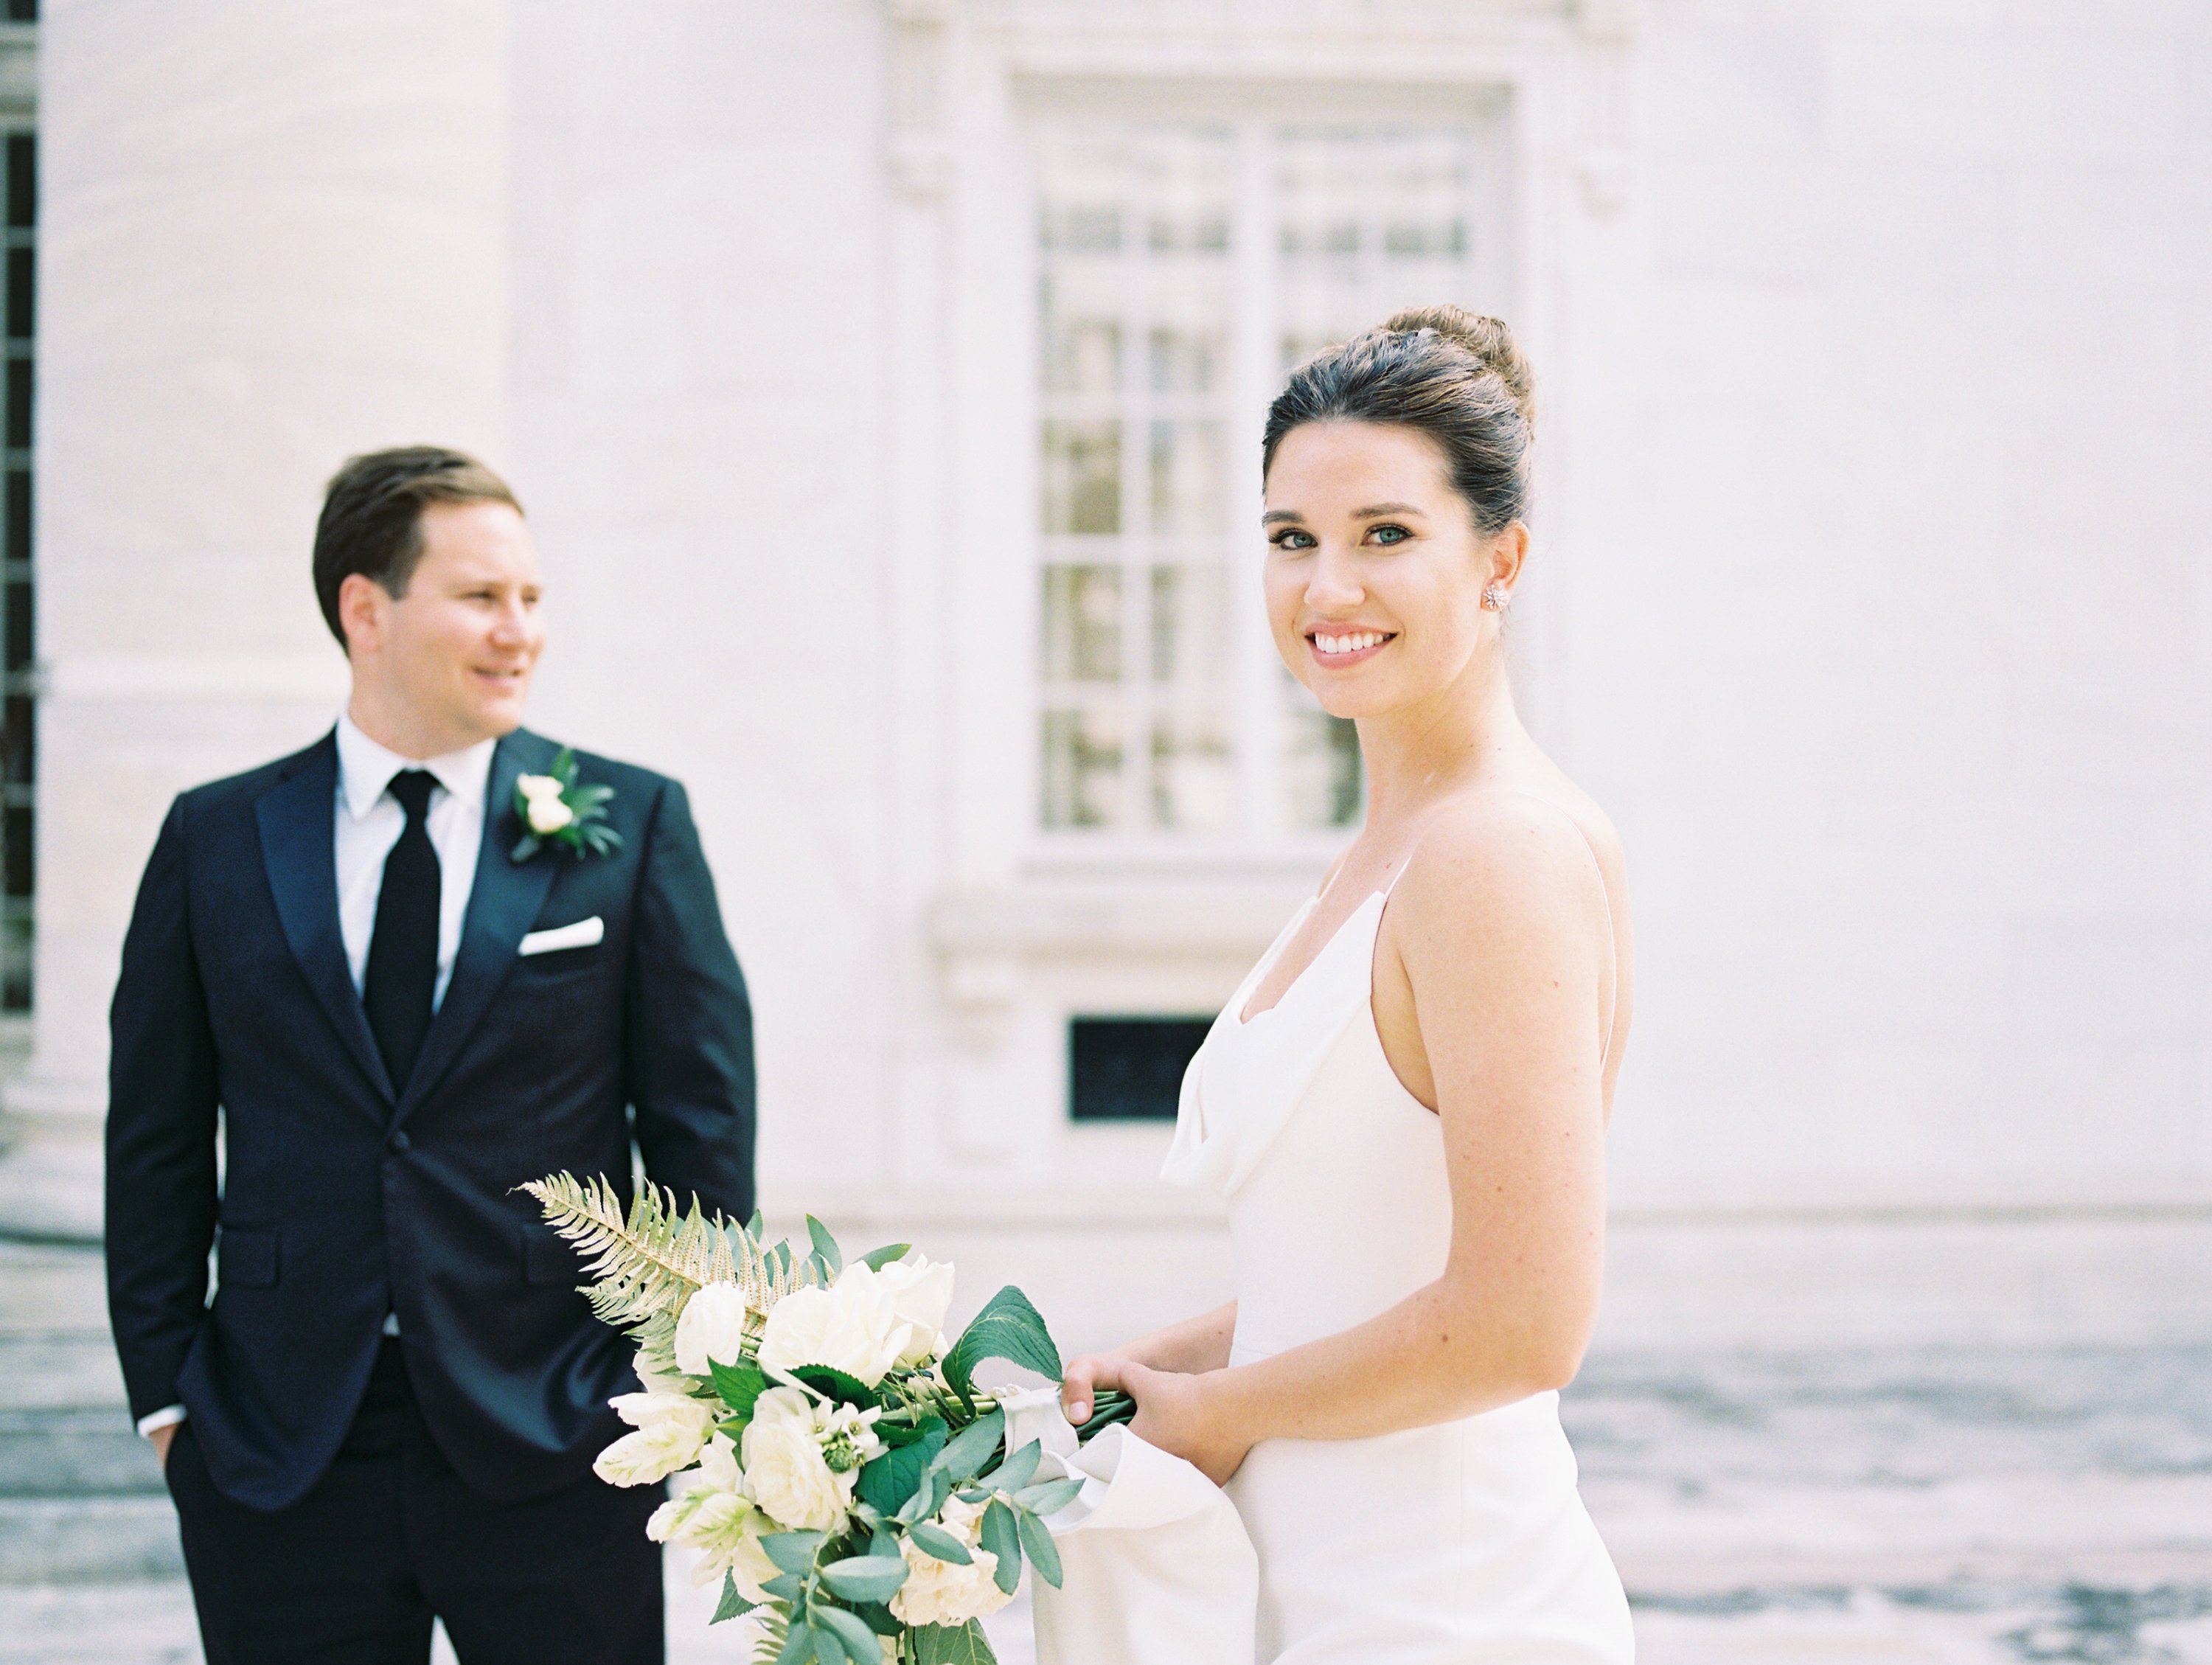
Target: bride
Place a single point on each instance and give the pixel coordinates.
(1405, 1103)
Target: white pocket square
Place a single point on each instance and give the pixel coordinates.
(582, 934)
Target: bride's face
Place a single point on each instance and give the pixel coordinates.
(1375, 569)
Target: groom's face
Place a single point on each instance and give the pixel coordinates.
(461, 644)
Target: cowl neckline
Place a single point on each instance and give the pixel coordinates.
(1248, 1077)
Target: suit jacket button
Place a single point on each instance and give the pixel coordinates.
(399, 1140)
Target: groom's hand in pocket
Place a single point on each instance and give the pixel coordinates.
(163, 1438)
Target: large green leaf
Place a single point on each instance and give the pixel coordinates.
(835, 1384)
(893, 1477)
(733, 1601)
(972, 1447)
(739, 1385)
(877, 1258)
(942, 1645)
(865, 1578)
(1003, 1541)
(1008, 1327)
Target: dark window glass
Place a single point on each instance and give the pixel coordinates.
(21, 288)
(22, 180)
(1129, 1069)
(18, 862)
(16, 522)
(21, 740)
(16, 956)
(19, 404)
(22, 11)
(21, 648)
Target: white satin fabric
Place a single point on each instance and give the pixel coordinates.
(1462, 1543)
(1155, 1565)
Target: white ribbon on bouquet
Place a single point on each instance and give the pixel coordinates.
(1157, 1569)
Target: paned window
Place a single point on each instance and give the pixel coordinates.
(1183, 267)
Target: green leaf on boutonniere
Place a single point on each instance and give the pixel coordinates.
(556, 808)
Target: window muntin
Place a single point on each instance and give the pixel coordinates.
(1183, 267)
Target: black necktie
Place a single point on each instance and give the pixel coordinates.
(402, 955)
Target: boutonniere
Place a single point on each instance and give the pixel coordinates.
(556, 809)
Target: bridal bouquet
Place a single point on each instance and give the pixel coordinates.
(834, 1460)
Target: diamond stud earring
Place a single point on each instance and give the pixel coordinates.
(1494, 597)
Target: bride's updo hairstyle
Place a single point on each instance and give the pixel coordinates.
(1457, 378)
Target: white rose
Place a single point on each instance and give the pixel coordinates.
(548, 815)
(921, 1292)
(711, 1326)
(671, 1429)
(853, 1325)
(710, 1513)
(535, 787)
(944, 1592)
(786, 1471)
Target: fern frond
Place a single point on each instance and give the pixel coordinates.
(646, 1262)
(775, 1626)
(643, 1262)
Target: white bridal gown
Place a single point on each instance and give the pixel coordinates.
(1461, 1544)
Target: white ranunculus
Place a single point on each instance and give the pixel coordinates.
(922, 1292)
(671, 1429)
(853, 1325)
(785, 1470)
(548, 815)
(944, 1592)
(711, 1326)
(710, 1513)
(535, 787)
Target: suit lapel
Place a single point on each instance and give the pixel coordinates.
(299, 837)
(502, 903)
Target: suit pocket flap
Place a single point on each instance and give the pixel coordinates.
(246, 1257)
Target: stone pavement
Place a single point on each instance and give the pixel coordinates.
(1973, 1507)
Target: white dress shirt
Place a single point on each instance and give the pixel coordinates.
(369, 822)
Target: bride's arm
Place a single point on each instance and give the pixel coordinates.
(1194, 1346)
(1500, 926)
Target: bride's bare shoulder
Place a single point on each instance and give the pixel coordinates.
(1498, 856)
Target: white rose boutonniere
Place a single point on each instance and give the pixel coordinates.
(559, 808)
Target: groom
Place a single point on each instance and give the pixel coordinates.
(402, 1008)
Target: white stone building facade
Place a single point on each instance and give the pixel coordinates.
(884, 379)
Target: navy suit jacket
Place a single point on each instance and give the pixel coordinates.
(340, 1199)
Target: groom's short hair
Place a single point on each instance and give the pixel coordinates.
(372, 519)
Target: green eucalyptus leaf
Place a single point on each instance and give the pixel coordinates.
(1001, 1538)
(859, 1642)
(733, 1601)
(525, 848)
(1048, 1498)
(1014, 1473)
(936, 1541)
(1043, 1554)
(964, 1457)
(877, 1258)
(785, 1587)
(794, 1551)
(798, 1648)
(824, 1244)
(1008, 1327)
(865, 1577)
